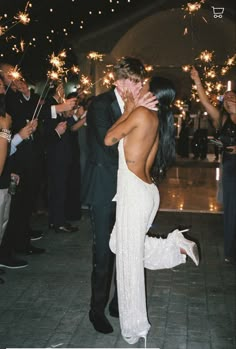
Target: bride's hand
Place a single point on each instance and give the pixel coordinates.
(148, 100)
(129, 101)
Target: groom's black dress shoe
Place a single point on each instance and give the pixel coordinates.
(100, 322)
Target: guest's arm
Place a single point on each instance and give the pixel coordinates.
(213, 112)
(5, 138)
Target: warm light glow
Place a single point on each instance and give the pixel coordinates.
(186, 68)
(85, 80)
(193, 7)
(15, 73)
(53, 75)
(95, 56)
(148, 68)
(23, 18)
(206, 56)
(2, 30)
(75, 69)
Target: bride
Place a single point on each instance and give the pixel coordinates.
(146, 140)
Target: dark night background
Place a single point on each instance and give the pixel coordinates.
(34, 60)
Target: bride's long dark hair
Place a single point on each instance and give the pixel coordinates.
(165, 92)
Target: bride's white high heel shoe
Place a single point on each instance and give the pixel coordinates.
(188, 246)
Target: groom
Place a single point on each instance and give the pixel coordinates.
(100, 188)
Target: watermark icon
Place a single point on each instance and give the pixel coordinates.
(218, 11)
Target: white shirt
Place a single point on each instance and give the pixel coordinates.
(119, 100)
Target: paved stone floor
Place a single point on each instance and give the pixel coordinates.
(46, 304)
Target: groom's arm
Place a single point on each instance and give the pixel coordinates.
(99, 120)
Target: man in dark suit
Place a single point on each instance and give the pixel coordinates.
(21, 104)
(59, 160)
(100, 188)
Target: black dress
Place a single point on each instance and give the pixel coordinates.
(228, 138)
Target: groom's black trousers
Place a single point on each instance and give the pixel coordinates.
(102, 219)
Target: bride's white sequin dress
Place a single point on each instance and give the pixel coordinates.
(137, 205)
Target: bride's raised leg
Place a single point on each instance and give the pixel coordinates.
(186, 246)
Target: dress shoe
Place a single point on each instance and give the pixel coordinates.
(114, 312)
(12, 263)
(230, 260)
(100, 322)
(187, 246)
(35, 235)
(67, 228)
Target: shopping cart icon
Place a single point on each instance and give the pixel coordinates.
(218, 12)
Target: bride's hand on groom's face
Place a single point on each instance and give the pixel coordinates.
(129, 101)
(147, 100)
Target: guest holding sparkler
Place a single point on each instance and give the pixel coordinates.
(225, 121)
(59, 157)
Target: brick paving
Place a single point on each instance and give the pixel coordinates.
(46, 304)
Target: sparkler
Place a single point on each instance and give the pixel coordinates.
(108, 79)
(149, 68)
(39, 101)
(206, 56)
(190, 8)
(186, 68)
(211, 73)
(14, 74)
(95, 56)
(23, 18)
(75, 69)
(2, 30)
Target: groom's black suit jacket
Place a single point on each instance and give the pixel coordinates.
(101, 173)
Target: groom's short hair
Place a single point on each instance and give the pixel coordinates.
(129, 68)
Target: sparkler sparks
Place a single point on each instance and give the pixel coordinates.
(108, 79)
(15, 73)
(23, 17)
(75, 69)
(149, 68)
(186, 68)
(85, 81)
(2, 30)
(53, 75)
(206, 56)
(190, 8)
(95, 56)
(56, 61)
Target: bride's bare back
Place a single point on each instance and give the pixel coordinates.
(140, 133)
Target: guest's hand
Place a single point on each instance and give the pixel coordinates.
(60, 92)
(5, 122)
(69, 104)
(26, 131)
(61, 128)
(195, 76)
(16, 177)
(231, 149)
(34, 124)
